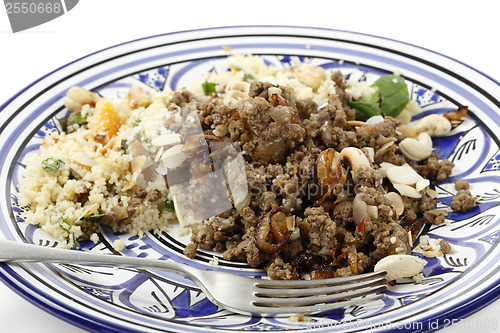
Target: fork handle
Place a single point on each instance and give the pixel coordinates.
(11, 251)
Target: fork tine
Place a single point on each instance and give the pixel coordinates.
(318, 290)
(264, 283)
(316, 308)
(308, 300)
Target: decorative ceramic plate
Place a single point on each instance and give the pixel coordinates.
(127, 300)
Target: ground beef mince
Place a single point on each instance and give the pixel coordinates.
(444, 246)
(463, 201)
(435, 216)
(282, 139)
(434, 168)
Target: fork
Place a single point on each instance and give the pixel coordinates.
(239, 294)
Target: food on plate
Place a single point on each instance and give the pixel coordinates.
(293, 169)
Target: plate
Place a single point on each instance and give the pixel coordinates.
(116, 300)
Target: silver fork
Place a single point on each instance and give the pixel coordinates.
(240, 294)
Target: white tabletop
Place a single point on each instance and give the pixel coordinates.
(460, 29)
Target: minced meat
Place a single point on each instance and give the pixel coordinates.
(463, 201)
(281, 161)
(435, 216)
(445, 247)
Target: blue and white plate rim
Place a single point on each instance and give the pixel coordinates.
(467, 307)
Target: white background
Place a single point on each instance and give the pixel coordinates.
(464, 30)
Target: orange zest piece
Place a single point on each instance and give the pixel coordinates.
(105, 120)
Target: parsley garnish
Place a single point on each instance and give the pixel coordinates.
(146, 143)
(248, 77)
(209, 88)
(169, 206)
(63, 121)
(92, 217)
(66, 226)
(125, 146)
(51, 165)
(74, 175)
(77, 119)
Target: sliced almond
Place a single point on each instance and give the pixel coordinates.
(173, 157)
(159, 153)
(137, 164)
(404, 174)
(371, 153)
(355, 123)
(385, 147)
(83, 159)
(375, 120)
(89, 211)
(407, 191)
(166, 140)
(128, 185)
(396, 203)
(400, 266)
(384, 166)
(432, 193)
(422, 184)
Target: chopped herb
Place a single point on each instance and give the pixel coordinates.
(134, 124)
(78, 119)
(390, 100)
(92, 217)
(66, 226)
(125, 146)
(146, 143)
(248, 77)
(51, 165)
(209, 88)
(169, 206)
(74, 175)
(63, 121)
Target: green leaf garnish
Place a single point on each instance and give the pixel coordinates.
(134, 124)
(209, 88)
(391, 99)
(125, 146)
(63, 121)
(92, 217)
(51, 165)
(66, 226)
(367, 108)
(169, 206)
(248, 77)
(77, 119)
(146, 143)
(393, 94)
(74, 175)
